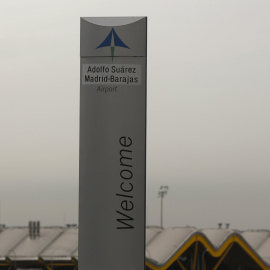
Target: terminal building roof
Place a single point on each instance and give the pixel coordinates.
(169, 248)
(164, 247)
(61, 243)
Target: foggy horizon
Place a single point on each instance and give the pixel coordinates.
(207, 110)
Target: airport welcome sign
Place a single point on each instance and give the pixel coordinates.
(112, 143)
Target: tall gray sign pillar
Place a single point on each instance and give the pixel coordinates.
(112, 143)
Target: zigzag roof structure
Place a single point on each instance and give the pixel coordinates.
(215, 247)
(170, 248)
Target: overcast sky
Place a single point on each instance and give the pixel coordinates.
(208, 135)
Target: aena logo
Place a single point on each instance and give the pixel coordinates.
(112, 40)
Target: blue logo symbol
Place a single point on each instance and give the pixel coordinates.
(112, 40)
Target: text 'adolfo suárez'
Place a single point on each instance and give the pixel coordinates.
(114, 74)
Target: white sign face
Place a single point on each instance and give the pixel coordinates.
(112, 74)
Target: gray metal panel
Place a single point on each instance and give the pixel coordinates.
(29, 249)
(216, 236)
(75, 254)
(166, 243)
(105, 118)
(112, 151)
(112, 21)
(255, 238)
(9, 238)
(264, 249)
(63, 247)
(132, 32)
(151, 232)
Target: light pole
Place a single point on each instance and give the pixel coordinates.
(12, 250)
(162, 191)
